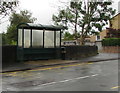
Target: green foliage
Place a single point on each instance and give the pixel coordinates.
(13, 42)
(62, 17)
(68, 36)
(4, 38)
(111, 42)
(11, 34)
(23, 16)
(15, 19)
(6, 41)
(86, 16)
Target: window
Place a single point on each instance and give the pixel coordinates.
(49, 39)
(26, 38)
(98, 38)
(20, 37)
(57, 38)
(37, 38)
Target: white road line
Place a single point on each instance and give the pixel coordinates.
(48, 83)
(94, 75)
(82, 77)
(65, 80)
(68, 80)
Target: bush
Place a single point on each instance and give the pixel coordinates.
(111, 42)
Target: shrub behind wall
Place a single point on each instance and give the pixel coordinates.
(111, 42)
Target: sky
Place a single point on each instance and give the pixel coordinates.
(42, 10)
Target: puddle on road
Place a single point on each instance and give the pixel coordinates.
(30, 83)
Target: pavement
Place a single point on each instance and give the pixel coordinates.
(22, 66)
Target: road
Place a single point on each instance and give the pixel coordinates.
(99, 76)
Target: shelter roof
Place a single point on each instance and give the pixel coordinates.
(40, 26)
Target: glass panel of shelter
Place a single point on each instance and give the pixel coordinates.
(50, 39)
(58, 39)
(20, 37)
(37, 38)
(26, 38)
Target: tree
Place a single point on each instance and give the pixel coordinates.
(4, 38)
(15, 19)
(67, 16)
(88, 16)
(6, 7)
(68, 36)
(23, 16)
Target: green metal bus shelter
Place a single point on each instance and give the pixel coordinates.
(36, 41)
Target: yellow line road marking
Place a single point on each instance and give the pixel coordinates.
(59, 67)
(115, 87)
(47, 68)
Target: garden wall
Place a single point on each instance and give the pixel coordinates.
(78, 52)
(111, 49)
(8, 55)
(111, 45)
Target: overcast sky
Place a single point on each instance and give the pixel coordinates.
(42, 10)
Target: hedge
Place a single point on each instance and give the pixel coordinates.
(111, 42)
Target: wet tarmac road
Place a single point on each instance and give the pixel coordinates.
(100, 76)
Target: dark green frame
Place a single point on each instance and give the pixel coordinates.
(41, 53)
(27, 26)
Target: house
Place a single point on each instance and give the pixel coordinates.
(115, 22)
(113, 30)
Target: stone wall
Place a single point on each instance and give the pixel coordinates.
(78, 52)
(9, 55)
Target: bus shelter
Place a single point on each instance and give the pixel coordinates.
(36, 41)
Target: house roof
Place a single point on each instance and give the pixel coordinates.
(115, 15)
(40, 26)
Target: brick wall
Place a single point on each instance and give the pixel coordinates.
(111, 49)
(115, 22)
